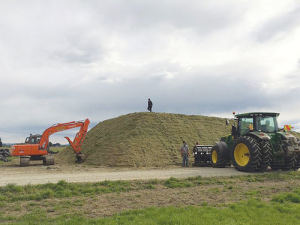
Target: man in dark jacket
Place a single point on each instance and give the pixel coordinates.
(150, 104)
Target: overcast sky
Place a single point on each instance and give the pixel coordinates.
(65, 60)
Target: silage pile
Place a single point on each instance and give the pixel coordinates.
(146, 139)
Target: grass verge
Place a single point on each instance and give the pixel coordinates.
(248, 212)
(63, 189)
(80, 203)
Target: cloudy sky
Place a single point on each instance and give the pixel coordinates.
(71, 59)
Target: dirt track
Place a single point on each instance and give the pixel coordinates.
(38, 174)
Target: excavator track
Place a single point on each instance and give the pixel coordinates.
(24, 161)
(48, 160)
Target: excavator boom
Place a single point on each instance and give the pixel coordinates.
(44, 142)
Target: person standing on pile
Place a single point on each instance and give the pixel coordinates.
(150, 104)
(185, 154)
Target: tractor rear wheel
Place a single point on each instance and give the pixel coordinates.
(297, 163)
(219, 155)
(289, 163)
(246, 154)
(266, 155)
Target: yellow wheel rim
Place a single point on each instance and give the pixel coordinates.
(241, 154)
(214, 156)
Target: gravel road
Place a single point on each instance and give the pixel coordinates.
(37, 174)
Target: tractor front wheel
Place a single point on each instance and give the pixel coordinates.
(246, 154)
(219, 155)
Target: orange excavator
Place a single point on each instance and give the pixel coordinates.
(36, 147)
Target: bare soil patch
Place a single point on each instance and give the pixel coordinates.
(36, 173)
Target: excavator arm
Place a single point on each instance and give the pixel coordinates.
(79, 138)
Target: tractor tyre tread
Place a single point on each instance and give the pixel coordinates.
(289, 163)
(297, 163)
(266, 155)
(221, 159)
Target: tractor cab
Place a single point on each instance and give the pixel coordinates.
(265, 122)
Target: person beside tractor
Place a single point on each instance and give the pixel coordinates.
(185, 154)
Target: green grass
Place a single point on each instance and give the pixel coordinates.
(12, 192)
(250, 212)
(63, 189)
(288, 197)
(282, 208)
(247, 212)
(176, 183)
(275, 176)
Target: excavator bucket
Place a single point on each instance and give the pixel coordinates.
(80, 158)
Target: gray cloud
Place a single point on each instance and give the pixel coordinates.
(281, 24)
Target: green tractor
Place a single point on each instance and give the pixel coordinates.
(256, 143)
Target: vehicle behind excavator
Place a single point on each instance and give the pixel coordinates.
(4, 153)
(36, 147)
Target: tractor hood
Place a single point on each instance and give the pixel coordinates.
(290, 143)
(260, 135)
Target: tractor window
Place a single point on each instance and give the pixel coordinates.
(267, 124)
(245, 125)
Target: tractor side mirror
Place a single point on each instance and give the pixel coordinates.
(227, 122)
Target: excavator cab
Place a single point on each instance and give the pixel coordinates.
(33, 139)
